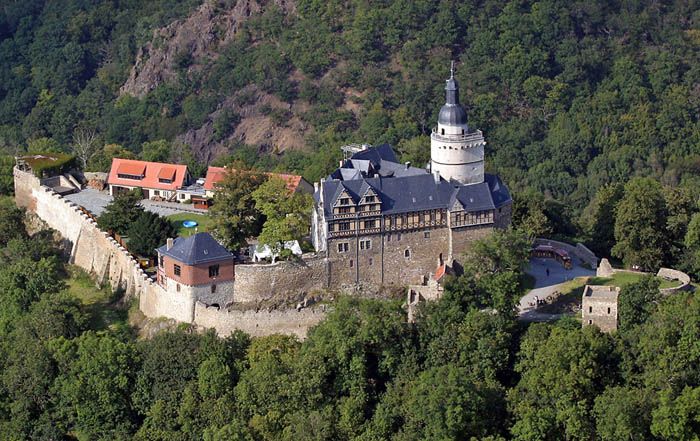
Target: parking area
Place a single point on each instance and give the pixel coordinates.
(95, 201)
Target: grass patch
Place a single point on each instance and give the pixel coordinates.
(569, 298)
(625, 278)
(100, 303)
(204, 223)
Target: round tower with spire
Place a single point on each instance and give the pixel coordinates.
(456, 153)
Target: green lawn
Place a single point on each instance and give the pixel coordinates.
(204, 223)
(622, 279)
(570, 292)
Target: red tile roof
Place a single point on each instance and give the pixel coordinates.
(217, 174)
(440, 272)
(152, 172)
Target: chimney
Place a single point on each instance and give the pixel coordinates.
(407, 164)
(169, 243)
(436, 176)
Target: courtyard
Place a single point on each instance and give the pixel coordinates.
(95, 202)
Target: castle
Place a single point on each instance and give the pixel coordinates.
(379, 222)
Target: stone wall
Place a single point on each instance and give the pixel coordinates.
(259, 323)
(671, 274)
(281, 281)
(99, 254)
(91, 249)
(579, 250)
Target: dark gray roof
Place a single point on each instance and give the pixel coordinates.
(452, 113)
(196, 249)
(403, 189)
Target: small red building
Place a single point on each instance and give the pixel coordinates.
(197, 266)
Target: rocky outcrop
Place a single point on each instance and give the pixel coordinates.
(256, 127)
(190, 42)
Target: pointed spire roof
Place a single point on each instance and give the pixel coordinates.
(452, 113)
(196, 249)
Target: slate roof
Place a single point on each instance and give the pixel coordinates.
(196, 249)
(409, 188)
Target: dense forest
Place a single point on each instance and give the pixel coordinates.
(72, 366)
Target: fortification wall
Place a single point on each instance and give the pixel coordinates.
(579, 250)
(91, 249)
(280, 281)
(99, 254)
(259, 323)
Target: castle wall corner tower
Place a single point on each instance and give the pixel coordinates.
(456, 153)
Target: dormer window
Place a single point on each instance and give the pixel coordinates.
(344, 201)
(125, 176)
(370, 199)
(165, 181)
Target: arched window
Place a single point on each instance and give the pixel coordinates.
(442, 131)
(407, 253)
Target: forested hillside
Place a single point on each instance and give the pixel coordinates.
(571, 95)
(72, 367)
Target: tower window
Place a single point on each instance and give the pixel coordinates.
(426, 235)
(407, 253)
(590, 309)
(351, 263)
(213, 270)
(213, 289)
(608, 310)
(177, 270)
(443, 131)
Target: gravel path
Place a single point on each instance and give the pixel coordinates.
(545, 285)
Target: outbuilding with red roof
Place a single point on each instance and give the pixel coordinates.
(154, 178)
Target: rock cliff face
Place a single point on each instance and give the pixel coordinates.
(255, 128)
(197, 37)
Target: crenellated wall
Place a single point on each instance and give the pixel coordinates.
(98, 253)
(259, 323)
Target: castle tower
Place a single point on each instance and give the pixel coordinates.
(455, 152)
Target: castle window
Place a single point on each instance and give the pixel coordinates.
(442, 131)
(344, 201)
(398, 236)
(343, 247)
(370, 224)
(426, 235)
(590, 309)
(388, 237)
(177, 287)
(160, 261)
(608, 310)
(369, 199)
(590, 322)
(351, 263)
(344, 210)
(213, 289)
(344, 226)
(370, 261)
(365, 244)
(407, 253)
(213, 270)
(177, 270)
